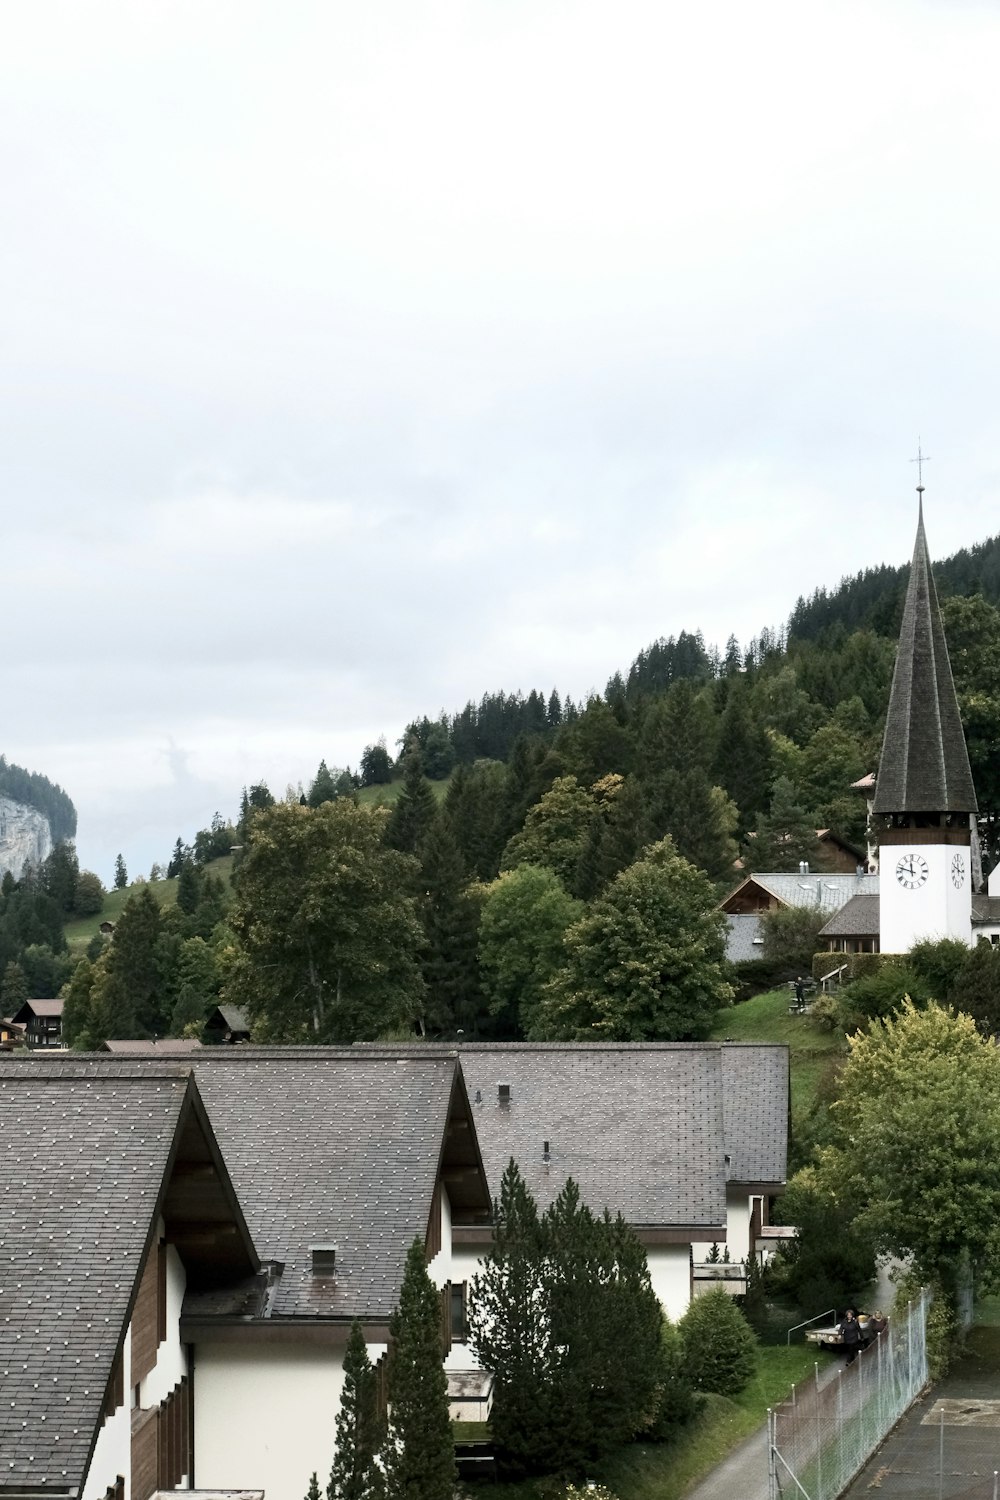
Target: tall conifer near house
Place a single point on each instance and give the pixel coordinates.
(356, 1474)
(121, 874)
(419, 1454)
(415, 807)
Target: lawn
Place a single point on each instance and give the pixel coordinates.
(388, 792)
(80, 931)
(766, 1018)
(666, 1471)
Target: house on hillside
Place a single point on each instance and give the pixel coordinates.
(42, 1022)
(339, 1161)
(227, 1023)
(137, 1213)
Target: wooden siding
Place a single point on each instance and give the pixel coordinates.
(146, 1316)
(145, 1453)
(114, 1396)
(433, 1242)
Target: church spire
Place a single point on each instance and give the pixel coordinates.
(924, 766)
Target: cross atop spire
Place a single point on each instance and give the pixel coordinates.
(924, 766)
(921, 459)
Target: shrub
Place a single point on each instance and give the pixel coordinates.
(720, 1351)
(942, 1324)
(677, 1403)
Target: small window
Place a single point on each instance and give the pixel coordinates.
(459, 1327)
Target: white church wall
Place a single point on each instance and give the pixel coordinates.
(934, 908)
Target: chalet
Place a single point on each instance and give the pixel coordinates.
(136, 1213)
(11, 1036)
(42, 1022)
(227, 1023)
(339, 1161)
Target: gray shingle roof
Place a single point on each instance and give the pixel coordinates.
(639, 1129)
(755, 1111)
(924, 765)
(234, 1018)
(85, 1163)
(828, 892)
(324, 1146)
(744, 937)
(985, 908)
(859, 918)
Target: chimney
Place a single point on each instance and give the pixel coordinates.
(503, 1093)
(324, 1259)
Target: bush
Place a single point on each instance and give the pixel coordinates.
(677, 1402)
(755, 976)
(720, 1351)
(942, 1324)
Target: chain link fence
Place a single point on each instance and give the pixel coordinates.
(828, 1429)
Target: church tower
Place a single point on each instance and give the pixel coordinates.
(924, 793)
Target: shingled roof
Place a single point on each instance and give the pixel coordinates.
(755, 1112)
(89, 1173)
(924, 765)
(859, 918)
(330, 1146)
(642, 1127)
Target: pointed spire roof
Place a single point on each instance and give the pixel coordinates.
(925, 763)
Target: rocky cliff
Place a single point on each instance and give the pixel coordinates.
(25, 837)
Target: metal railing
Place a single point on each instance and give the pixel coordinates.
(819, 1316)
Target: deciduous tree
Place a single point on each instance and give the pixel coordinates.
(328, 932)
(526, 915)
(647, 963)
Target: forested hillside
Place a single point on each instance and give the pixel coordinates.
(565, 884)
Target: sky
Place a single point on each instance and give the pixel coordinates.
(360, 358)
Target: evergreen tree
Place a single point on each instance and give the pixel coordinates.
(188, 888)
(419, 1454)
(313, 1492)
(13, 989)
(323, 788)
(58, 875)
(77, 1021)
(355, 1474)
(121, 874)
(376, 767)
(719, 1347)
(785, 836)
(177, 859)
(476, 805)
(743, 759)
(126, 998)
(415, 807)
(450, 919)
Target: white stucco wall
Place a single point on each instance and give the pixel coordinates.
(171, 1363)
(737, 1223)
(670, 1273)
(439, 1269)
(936, 909)
(465, 1263)
(264, 1416)
(113, 1450)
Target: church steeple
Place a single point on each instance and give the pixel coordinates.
(924, 766)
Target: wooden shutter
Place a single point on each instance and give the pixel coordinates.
(145, 1453)
(146, 1319)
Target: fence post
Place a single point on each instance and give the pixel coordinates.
(772, 1487)
(840, 1425)
(941, 1458)
(819, 1436)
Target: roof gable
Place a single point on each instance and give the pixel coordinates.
(73, 1240)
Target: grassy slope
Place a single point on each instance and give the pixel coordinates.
(812, 1051)
(386, 794)
(666, 1471)
(80, 931)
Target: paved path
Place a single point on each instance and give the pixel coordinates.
(743, 1475)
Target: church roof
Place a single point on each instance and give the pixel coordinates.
(925, 763)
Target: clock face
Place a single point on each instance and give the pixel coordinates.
(911, 871)
(957, 871)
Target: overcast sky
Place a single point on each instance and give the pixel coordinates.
(362, 356)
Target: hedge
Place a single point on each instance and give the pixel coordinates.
(856, 965)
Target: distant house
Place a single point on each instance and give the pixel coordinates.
(757, 894)
(138, 1212)
(227, 1023)
(107, 929)
(11, 1036)
(42, 1022)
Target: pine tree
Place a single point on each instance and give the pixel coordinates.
(419, 1454)
(450, 919)
(13, 989)
(323, 788)
(126, 998)
(77, 1023)
(121, 874)
(188, 888)
(177, 859)
(355, 1474)
(313, 1492)
(415, 806)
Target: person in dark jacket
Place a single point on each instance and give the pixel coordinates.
(800, 993)
(850, 1335)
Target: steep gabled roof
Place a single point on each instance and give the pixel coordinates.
(859, 918)
(924, 765)
(826, 892)
(91, 1169)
